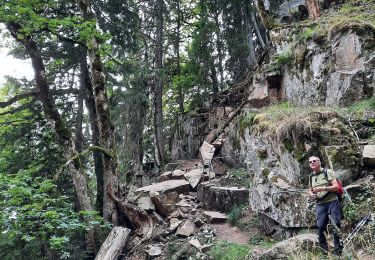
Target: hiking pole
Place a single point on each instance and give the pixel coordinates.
(363, 221)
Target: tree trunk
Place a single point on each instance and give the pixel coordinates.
(219, 47)
(259, 35)
(110, 177)
(79, 119)
(251, 59)
(313, 8)
(180, 97)
(90, 104)
(266, 20)
(63, 134)
(113, 245)
(158, 88)
(213, 76)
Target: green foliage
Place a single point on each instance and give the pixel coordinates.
(237, 177)
(245, 120)
(350, 211)
(359, 107)
(235, 214)
(228, 251)
(307, 33)
(32, 212)
(284, 58)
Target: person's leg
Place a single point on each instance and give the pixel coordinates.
(321, 222)
(334, 211)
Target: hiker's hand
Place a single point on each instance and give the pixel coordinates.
(319, 189)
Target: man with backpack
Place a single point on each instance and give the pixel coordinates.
(324, 188)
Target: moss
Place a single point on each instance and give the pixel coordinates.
(262, 154)
(236, 142)
(265, 172)
(307, 33)
(300, 155)
(283, 58)
(350, 24)
(245, 121)
(288, 145)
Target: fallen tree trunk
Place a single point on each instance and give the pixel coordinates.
(113, 245)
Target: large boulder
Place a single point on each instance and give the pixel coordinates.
(222, 199)
(285, 249)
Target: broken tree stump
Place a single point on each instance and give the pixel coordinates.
(113, 245)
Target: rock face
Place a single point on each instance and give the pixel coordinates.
(333, 71)
(279, 169)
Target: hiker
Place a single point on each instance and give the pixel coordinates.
(323, 188)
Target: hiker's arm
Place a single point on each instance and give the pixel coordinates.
(333, 188)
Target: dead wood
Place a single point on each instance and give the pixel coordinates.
(138, 220)
(114, 243)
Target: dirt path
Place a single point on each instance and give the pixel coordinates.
(231, 233)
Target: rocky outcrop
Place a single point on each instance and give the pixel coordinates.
(279, 163)
(335, 69)
(284, 249)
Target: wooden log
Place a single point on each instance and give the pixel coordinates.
(113, 245)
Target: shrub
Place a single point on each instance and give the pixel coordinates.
(235, 214)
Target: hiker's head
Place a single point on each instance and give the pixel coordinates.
(314, 163)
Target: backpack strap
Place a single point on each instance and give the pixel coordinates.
(310, 180)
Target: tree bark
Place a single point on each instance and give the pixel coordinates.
(219, 47)
(251, 59)
(180, 97)
(158, 88)
(215, 87)
(313, 8)
(266, 20)
(110, 177)
(257, 31)
(63, 134)
(90, 104)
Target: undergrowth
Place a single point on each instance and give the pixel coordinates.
(224, 250)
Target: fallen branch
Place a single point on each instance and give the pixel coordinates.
(82, 154)
(228, 121)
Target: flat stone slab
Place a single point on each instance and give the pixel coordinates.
(215, 217)
(222, 199)
(146, 204)
(154, 251)
(369, 155)
(179, 186)
(187, 229)
(194, 177)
